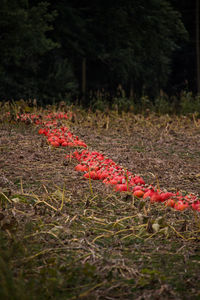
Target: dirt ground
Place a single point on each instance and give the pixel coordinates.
(164, 152)
(62, 238)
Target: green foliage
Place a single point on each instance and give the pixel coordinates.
(165, 105)
(134, 42)
(23, 43)
(189, 103)
(122, 104)
(42, 45)
(186, 104)
(58, 82)
(10, 288)
(98, 104)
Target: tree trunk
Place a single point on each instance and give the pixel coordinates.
(131, 91)
(197, 47)
(83, 78)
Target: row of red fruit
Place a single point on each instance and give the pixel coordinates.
(97, 167)
(61, 137)
(56, 136)
(39, 119)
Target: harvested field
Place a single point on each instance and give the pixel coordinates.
(65, 237)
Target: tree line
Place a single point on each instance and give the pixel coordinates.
(68, 50)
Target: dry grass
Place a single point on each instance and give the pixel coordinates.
(63, 238)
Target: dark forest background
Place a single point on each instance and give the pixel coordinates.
(72, 50)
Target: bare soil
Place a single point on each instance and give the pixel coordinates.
(62, 238)
(162, 150)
